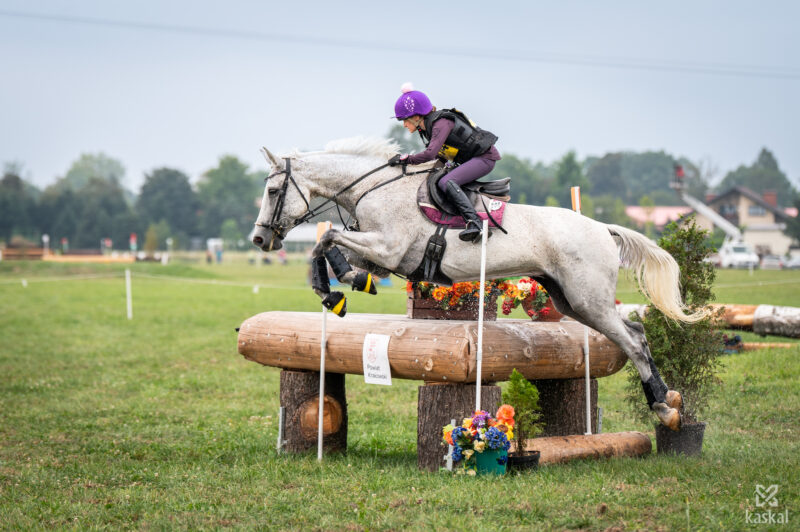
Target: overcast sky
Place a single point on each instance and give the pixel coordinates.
(180, 83)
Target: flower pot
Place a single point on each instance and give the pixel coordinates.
(551, 314)
(491, 462)
(687, 441)
(524, 460)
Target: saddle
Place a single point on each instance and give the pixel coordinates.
(437, 209)
(486, 196)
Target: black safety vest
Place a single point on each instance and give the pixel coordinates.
(464, 142)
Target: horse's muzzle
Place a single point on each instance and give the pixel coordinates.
(266, 239)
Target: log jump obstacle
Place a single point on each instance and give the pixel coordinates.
(442, 354)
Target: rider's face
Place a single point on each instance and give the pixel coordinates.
(412, 123)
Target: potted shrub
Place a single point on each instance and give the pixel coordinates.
(687, 355)
(481, 442)
(523, 396)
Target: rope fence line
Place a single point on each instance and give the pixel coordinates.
(294, 288)
(58, 279)
(236, 283)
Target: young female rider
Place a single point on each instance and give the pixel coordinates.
(452, 137)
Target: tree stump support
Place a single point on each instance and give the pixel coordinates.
(299, 394)
(437, 405)
(563, 404)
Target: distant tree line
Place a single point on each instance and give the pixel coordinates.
(89, 202)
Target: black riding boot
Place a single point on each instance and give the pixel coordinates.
(457, 197)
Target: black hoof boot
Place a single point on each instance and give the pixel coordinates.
(319, 275)
(336, 303)
(363, 282)
(338, 263)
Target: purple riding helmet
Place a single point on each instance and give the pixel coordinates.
(411, 103)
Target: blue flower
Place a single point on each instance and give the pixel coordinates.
(502, 460)
(496, 439)
(457, 454)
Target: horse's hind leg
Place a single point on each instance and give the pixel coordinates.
(630, 338)
(587, 307)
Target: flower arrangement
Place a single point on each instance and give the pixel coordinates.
(480, 433)
(526, 292)
(457, 296)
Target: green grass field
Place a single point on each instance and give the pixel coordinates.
(158, 422)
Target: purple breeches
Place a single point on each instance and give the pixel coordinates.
(467, 172)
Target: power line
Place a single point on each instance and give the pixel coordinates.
(718, 69)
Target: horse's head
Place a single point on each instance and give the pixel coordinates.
(285, 200)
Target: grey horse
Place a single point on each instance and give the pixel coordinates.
(574, 257)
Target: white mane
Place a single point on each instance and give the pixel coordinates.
(377, 147)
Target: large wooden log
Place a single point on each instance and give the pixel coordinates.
(299, 394)
(563, 404)
(560, 449)
(430, 350)
(439, 404)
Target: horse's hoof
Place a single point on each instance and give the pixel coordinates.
(336, 303)
(674, 400)
(669, 417)
(363, 282)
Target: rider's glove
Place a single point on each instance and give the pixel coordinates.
(397, 159)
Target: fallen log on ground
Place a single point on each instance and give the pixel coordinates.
(560, 449)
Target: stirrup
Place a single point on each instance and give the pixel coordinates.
(472, 233)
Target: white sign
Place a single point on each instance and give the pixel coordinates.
(376, 359)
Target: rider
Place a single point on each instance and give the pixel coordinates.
(453, 138)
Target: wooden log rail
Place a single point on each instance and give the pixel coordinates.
(761, 319)
(429, 350)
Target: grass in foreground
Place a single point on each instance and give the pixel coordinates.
(159, 423)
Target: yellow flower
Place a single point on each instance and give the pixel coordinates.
(468, 453)
(439, 293)
(479, 446)
(467, 423)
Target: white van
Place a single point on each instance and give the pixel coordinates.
(737, 255)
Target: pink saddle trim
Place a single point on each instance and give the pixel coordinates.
(457, 222)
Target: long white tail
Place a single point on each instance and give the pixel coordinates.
(657, 273)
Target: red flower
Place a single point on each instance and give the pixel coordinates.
(544, 312)
(617, 302)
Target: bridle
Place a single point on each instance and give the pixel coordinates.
(279, 230)
(274, 225)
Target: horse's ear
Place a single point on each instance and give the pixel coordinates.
(276, 163)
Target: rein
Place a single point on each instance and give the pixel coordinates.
(281, 231)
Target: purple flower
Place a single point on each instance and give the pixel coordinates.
(480, 419)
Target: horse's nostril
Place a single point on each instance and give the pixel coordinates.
(257, 240)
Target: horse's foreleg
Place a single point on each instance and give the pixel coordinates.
(333, 301)
(359, 280)
(375, 247)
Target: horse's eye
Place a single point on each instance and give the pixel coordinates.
(272, 191)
